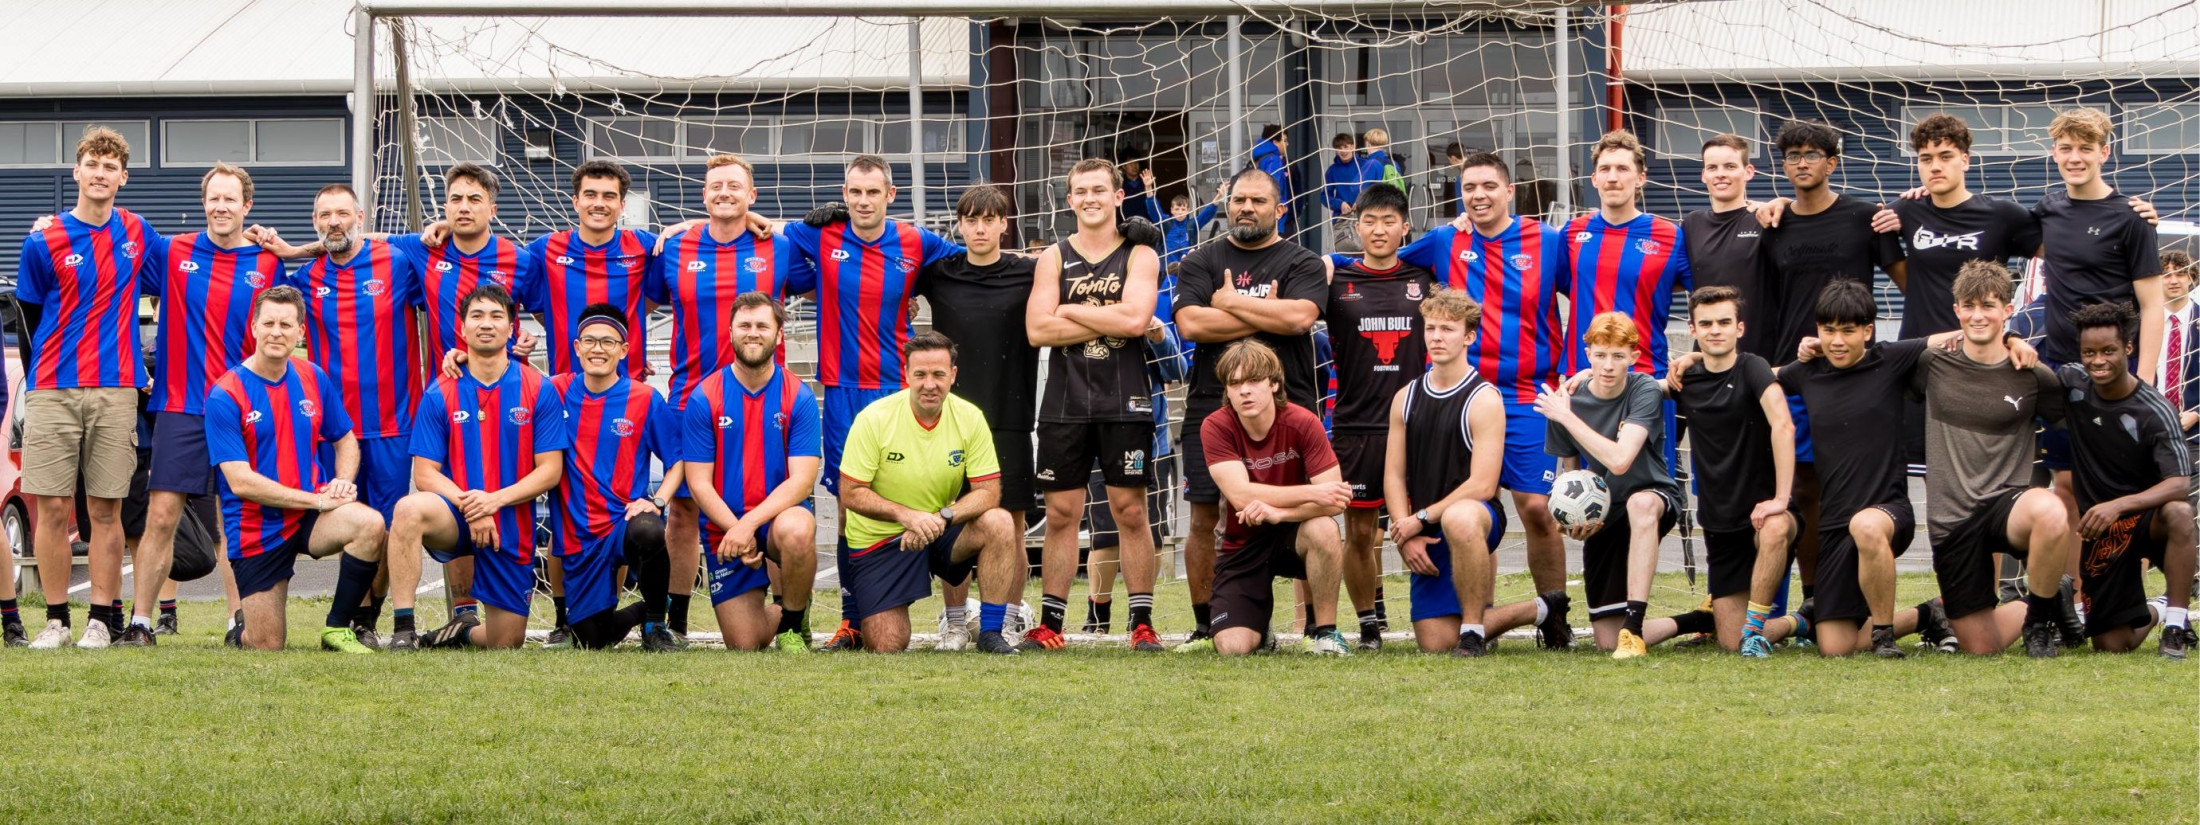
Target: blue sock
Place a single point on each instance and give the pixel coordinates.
(353, 579)
(991, 617)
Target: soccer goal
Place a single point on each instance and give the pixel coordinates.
(958, 93)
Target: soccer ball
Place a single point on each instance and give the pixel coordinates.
(1580, 497)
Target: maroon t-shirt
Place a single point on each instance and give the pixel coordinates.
(1293, 453)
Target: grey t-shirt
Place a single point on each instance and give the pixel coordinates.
(1641, 402)
(1979, 435)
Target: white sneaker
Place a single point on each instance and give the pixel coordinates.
(953, 635)
(95, 635)
(1016, 622)
(54, 636)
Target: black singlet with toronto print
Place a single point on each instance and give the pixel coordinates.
(1439, 442)
(1103, 379)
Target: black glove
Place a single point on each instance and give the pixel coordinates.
(827, 214)
(1141, 232)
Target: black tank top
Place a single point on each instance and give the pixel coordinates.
(1439, 442)
(1103, 379)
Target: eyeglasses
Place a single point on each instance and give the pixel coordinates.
(1805, 157)
(600, 343)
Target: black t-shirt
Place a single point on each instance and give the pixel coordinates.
(982, 308)
(2120, 447)
(1280, 270)
(1375, 338)
(1732, 451)
(1807, 252)
(1855, 424)
(2095, 250)
(1724, 249)
(1938, 242)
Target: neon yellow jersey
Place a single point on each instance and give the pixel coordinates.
(916, 467)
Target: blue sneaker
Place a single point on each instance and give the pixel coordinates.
(1754, 646)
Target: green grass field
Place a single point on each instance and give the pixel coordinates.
(190, 730)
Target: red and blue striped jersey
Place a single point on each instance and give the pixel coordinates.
(205, 320)
(86, 279)
(747, 437)
(699, 278)
(614, 434)
(278, 428)
(1516, 276)
(359, 330)
(486, 437)
(863, 294)
(562, 275)
(447, 274)
(1631, 268)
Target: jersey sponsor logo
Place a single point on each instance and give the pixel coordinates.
(1385, 333)
(725, 422)
(2093, 230)
(1244, 280)
(1289, 455)
(840, 254)
(519, 415)
(322, 292)
(755, 266)
(461, 416)
(894, 455)
(372, 287)
(1648, 247)
(2012, 402)
(1413, 290)
(188, 266)
(1583, 236)
(307, 408)
(697, 266)
(1350, 294)
(1926, 238)
(622, 427)
(73, 260)
(1470, 256)
(444, 266)
(1092, 289)
(564, 260)
(1748, 234)
(954, 458)
(253, 417)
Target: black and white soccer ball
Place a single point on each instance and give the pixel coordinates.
(1580, 497)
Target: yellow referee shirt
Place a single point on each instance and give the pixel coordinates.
(909, 464)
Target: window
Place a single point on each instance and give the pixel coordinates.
(268, 142)
(750, 137)
(825, 137)
(2161, 129)
(1996, 129)
(941, 137)
(454, 140)
(634, 138)
(1682, 131)
(51, 143)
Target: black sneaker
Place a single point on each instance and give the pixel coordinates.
(234, 637)
(166, 626)
(452, 635)
(2069, 624)
(560, 638)
(2176, 641)
(401, 641)
(136, 635)
(1553, 633)
(2039, 640)
(991, 641)
(661, 640)
(15, 635)
(1471, 646)
(1371, 641)
(366, 636)
(1933, 627)
(1883, 644)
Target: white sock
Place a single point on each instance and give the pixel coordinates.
(957, 615)
(1475, 629)
(2173, 616)
(147, 623)
(1542, 610)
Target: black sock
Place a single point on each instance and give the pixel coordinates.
(401, 621)
(1323, 630)
(1371, 623)
(1882, 628)
(1382, 610)
(676, 612)
(106, 614)
(557, 605)
(1099, 614)
(2039, 609)
(1694, 621)
(1141, 610)
(795, 620)
(1810, 590)
(1052, 611)
(1200, 617)
(1634, 616)
(353, 579)
(167, 608)
(10, 612)
(58, 612)
(368, 615)
(1309, 622)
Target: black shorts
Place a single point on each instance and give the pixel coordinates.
(2114, 569)
(1840, 595)
(1199, 487)
(1245, 579)
(1100, 521)
(179, 461)
(1963, 560)
(886, 576)
(1013, 448)
(1604, 558)
(1361, 456)
(260, 573)
(1733, 558)
(1067, 453)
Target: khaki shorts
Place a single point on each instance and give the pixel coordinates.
(85, 431)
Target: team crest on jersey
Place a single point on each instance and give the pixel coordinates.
(779, 420)
(1350, 294)
(755, 266)
(73, 260)
(564, 260)
(1648, 247)
(1522, 261)
(373, 287)
(461, 416)
(1583, 236)
(188, 266)
(1413, 290)
(129, 249)
(255, 278)
(907, 266)
(697, 266)
(443, 266)
(840, 254)
(253, 417)
(954, 458)
(307, 408)
(496, 275)
(1469, 255)
(622, 427)
(519, 415)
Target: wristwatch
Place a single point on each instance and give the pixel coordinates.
(659, 502)
(1421, 516)
(947, 514)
